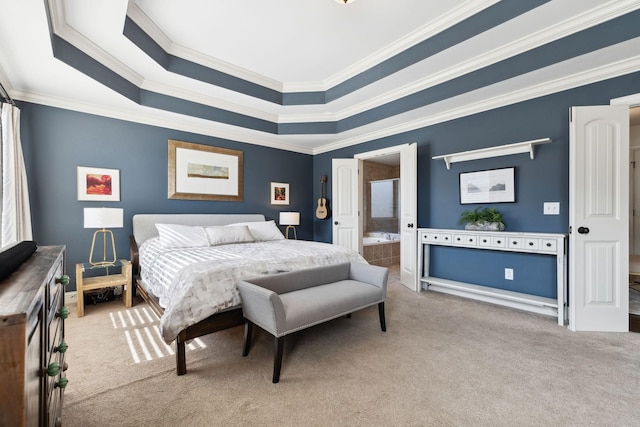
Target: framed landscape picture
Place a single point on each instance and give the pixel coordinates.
(98, 184)
(203, 172)
(489, 186)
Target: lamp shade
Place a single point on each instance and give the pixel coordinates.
(103, 217)
(289, 218)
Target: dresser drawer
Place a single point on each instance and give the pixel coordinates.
(53, 282)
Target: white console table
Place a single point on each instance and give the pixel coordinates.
(535, 243)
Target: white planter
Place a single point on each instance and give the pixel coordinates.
(484, 226)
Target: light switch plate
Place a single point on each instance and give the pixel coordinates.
(552, 208)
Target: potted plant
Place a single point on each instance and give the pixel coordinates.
(485, 219)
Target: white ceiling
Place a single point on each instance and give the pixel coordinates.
(293, 46)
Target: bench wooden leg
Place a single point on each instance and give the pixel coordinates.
(181, 358)
(277, 358)
(248, 329)
(383, 323)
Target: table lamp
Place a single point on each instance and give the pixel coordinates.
(290, 219)
(103, 218)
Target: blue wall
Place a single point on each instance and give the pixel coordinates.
(544, 179)
(55, 142)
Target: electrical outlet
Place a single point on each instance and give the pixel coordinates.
(551, 208)
(508, 273)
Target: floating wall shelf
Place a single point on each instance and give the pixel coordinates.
(500, 150)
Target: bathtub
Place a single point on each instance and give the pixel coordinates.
(378, 238)
(381, 248)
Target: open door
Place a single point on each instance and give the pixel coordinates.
(599, 218)
(344, 194)
(409, 217)
(347, 203)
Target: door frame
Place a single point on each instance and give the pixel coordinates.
(371, 155)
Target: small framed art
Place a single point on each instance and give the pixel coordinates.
(279, 193)
(98, 184)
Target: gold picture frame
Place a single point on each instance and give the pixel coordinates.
(203, 172)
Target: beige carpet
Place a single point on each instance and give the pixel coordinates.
(444, 361)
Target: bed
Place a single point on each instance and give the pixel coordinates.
(186, 267)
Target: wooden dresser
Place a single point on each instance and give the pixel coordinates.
(32, 313)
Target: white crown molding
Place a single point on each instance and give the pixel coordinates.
(569, 26)
(238, 134)
(148, 26)
(199, 98)
(595, 75)
(153, 117)
(577, 23)
(63, 30)
(447, 20)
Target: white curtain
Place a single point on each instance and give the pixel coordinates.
(15, 211)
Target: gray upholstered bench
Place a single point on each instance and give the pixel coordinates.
(288, 302)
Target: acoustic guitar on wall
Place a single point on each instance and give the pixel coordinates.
(322, 211)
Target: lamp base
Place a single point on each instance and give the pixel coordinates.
(295, 236)
(104, 261)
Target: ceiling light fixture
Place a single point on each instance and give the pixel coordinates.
(345, 1)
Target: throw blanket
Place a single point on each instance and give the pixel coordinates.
(194, 283)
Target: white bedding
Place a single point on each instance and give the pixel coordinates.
(194, 283)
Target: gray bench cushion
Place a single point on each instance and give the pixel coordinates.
(310, 306)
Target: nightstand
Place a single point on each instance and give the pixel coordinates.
(104, 280)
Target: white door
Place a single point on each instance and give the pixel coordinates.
(344, 195)
(599, 218)
(409, 216)
(634, 203)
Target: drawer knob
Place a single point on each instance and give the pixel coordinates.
(548, 245)
(530, 243)
(53, 369)
(63, 382)
(63, 313)
(498, 241)
(62, 348)
(64, 280)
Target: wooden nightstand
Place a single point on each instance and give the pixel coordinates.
(104, 281)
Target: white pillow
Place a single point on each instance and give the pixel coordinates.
(223, 235)
(182, 236)
(262, 230)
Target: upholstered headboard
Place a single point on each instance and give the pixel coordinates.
(144, 225)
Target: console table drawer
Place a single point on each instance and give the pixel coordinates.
(465, 239)
(498, 242)
(548, 245)
(516, 242)
(441, 238)
(532, 244)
